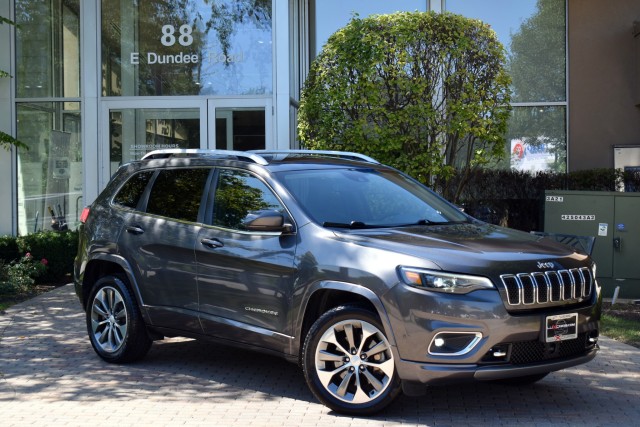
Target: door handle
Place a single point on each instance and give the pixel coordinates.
(617, 243)
(134, 229)
(212, 243)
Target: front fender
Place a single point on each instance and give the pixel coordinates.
(307, 295)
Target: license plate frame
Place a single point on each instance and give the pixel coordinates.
(561, 327)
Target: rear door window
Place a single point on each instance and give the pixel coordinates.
(177, 193)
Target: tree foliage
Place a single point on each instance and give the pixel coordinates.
(6, 140)
(424, 92)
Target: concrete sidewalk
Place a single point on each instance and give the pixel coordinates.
(49, 375)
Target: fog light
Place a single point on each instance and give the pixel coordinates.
(454, 343)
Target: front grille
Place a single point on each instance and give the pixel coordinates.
(528, 290)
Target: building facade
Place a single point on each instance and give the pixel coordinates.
(97, 83)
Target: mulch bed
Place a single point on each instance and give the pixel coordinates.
(628, 311)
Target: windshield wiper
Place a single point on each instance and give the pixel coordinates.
(352, 224)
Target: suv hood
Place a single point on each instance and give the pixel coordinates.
(471, 245)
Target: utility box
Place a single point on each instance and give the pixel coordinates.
(613, 219)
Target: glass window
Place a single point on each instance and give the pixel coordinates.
(328, 16)
(133, 132)
(176, 193)
(50, 172)
(186, 47)
(366, 198)
(537, 138)
(238, 195)
(534, 34)
(130, 193)
(240, 129)
(47, 48)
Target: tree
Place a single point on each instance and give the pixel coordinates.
(6, 140)
(424, 92)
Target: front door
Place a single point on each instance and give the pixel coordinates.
(245, 278)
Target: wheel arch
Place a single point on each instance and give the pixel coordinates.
(329, 294)
(104, 264)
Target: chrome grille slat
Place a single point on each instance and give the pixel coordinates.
(547, 288)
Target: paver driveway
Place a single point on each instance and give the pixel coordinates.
(49, 375)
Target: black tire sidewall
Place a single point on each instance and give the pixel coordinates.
(324, 322)
(136, 342)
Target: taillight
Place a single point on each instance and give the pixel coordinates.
(84, 215)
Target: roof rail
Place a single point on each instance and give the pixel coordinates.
(195, 152)
(282, 154)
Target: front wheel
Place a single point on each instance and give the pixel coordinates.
(348, 362)
(114, 323)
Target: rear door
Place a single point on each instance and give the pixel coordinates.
(245, 278)
(159, 239)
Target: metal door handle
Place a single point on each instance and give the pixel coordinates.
(134, 229)
(212, 243)
(617, 243)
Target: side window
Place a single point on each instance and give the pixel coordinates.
(239, 194)
(176, 193)
(130, 193)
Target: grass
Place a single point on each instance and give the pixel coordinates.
(621, 329)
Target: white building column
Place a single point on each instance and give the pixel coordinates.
(8, 200)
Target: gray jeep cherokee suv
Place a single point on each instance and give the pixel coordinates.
(366, 278)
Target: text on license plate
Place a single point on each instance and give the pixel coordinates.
(561, 327)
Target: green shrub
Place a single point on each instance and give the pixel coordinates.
(19, 276)
(8, 249)
(58, 247)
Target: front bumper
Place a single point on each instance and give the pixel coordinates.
(437, 374)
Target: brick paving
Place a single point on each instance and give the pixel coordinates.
(49, 375)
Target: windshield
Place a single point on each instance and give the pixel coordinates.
(364, 197)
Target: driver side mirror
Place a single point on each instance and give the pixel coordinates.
(266, 220)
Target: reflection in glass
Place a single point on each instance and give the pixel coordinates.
(131, 192)
(239, 194)
(176, 193)
(47, 48)
(50, 172)
(186, 47)
(240, 129)
(331, 15)
(534, 34)
(136, 132)
(537, 139)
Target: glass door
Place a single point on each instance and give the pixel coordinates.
(136, 128)
(239, 124)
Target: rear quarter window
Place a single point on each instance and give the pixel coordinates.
(131, 192)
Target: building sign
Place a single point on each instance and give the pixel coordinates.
(530, 157)
(209, 48)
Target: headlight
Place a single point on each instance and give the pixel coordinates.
(443, 282)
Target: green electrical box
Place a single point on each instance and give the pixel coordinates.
(613, 219)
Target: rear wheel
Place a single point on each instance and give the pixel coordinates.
(114, 323)
(348, 362)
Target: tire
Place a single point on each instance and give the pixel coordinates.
(521, 381)
(338, 369)
(114, 323)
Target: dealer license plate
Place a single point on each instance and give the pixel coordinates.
(562, 327)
